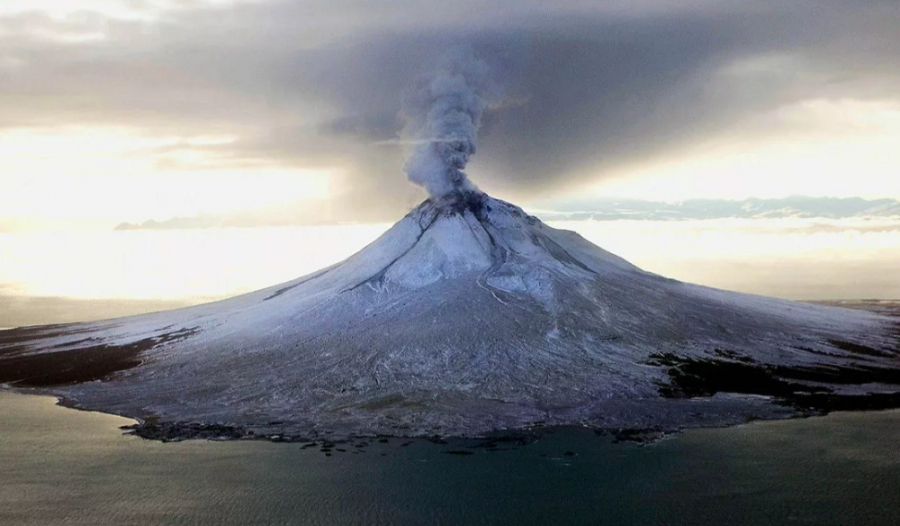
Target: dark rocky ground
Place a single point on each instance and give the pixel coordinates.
(886, 307)
(798, 387)
(64, 365)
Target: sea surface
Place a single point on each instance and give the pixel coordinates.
(62, 466)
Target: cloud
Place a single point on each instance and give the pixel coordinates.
(813, 214)
(312, 84)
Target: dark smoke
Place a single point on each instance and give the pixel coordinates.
(442, 117)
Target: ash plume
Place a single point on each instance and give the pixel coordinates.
(443, 114)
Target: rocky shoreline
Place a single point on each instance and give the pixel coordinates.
(497, 441)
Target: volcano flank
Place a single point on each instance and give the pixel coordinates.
(467, 316)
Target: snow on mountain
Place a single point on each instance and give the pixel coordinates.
(468, 315)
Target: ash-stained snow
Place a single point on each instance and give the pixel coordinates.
(468, 315)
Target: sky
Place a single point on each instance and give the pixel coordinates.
(128, 110)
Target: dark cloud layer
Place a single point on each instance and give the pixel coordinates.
(308, 84)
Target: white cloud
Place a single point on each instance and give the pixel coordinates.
(118, 174)
(818, 147)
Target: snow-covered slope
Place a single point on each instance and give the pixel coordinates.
(468, 315)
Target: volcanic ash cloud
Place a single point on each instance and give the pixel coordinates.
(443, 114)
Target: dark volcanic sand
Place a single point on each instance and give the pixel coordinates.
(73, 363)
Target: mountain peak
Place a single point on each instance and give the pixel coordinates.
(471, 233)
(475, 202)
(466, 316)
(459, 202)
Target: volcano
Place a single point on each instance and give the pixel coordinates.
(467, 316)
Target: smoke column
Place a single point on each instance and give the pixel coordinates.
(442, 117)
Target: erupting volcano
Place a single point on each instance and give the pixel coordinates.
(466, 316)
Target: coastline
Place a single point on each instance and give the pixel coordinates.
(464, 444)
(696, 385)
(150, 428)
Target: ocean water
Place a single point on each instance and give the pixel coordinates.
(61, 466)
